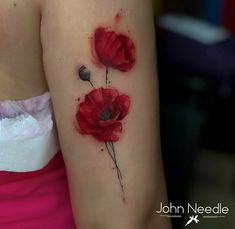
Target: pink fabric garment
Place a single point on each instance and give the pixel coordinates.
(37, 200)
(33, 199)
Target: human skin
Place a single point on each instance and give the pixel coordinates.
(95, 193)
(21, 68)
(66, 29)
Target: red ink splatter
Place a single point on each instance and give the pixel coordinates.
(117, 20)
(118, 17)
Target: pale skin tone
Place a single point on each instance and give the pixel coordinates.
(36, 51)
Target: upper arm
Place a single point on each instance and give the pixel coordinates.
(109, 131)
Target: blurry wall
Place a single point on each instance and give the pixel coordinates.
(197, 120)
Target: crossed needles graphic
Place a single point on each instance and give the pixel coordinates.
(192, 219)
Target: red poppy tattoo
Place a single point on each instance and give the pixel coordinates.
(113, 50)
(102, 111)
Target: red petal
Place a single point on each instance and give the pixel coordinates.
(100, 41)
(84, 126)
(125, 67)
(124, 103)
(109, 95)
(129, 48)
(119, 58)
(92, 116)
(85, 109)
(112, 46)
(109, 133)
(95, 97)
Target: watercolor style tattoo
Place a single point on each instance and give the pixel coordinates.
(103, 109)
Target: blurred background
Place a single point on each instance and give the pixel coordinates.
(196, 64)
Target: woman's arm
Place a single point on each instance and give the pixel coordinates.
(100, 64)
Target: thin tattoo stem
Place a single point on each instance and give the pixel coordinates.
(110, 151)
(110, 147)
(114, 154)
(110, 144)
(91, 84)
(114, 161)
(106, 144)
(106, 77)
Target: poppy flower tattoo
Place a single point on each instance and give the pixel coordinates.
(114, 50)
(102, 111)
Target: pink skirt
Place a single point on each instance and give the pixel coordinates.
(33, 183)
(36, 200)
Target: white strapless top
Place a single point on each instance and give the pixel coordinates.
(28, 138)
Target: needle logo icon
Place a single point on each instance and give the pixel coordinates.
(192, 219)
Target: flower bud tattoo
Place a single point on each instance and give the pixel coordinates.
(85, 74)
(102, 111)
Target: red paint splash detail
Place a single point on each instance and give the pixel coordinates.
(117, 20)
(118, 17)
